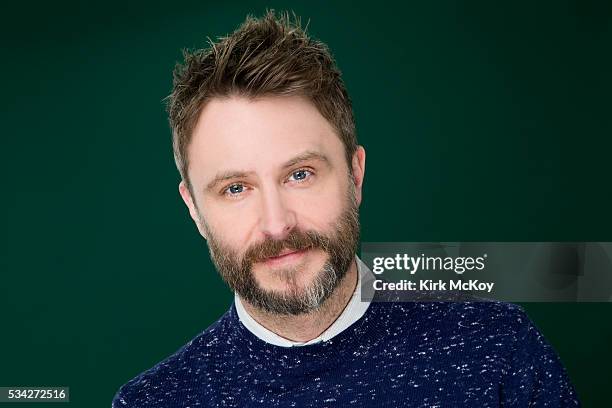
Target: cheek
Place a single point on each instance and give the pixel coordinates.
(232, 227)
(320, 208)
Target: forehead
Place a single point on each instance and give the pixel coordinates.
(258, 134)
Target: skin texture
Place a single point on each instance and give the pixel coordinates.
(264, 193)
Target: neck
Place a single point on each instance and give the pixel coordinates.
(307, 326)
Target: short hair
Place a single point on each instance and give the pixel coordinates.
(263, 57)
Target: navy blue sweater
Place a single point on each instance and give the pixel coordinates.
(428, 354)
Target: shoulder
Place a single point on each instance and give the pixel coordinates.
(173, 379)
(493, 342)
(477, 322)
(478, 311)
(493, 335)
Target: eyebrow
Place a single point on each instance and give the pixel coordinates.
(307, 155)
(234, 174)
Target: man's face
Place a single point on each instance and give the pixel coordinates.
(273, 195)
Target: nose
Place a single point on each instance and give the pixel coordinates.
(277, 218)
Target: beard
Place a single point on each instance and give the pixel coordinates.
(339, 246)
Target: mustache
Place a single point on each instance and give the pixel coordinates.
(296, 240)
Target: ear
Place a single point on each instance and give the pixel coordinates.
(190, 203)
(358, 167)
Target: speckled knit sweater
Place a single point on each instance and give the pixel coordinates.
(427, 354)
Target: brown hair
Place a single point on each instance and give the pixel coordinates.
(267, 56)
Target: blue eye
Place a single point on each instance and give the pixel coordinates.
(235, 189)
(300, 175)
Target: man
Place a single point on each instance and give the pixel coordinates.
(272, 175)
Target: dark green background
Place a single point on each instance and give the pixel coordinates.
(481, 122)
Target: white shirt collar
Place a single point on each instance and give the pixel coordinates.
(352, 312)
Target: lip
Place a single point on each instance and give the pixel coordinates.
(287, 256)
